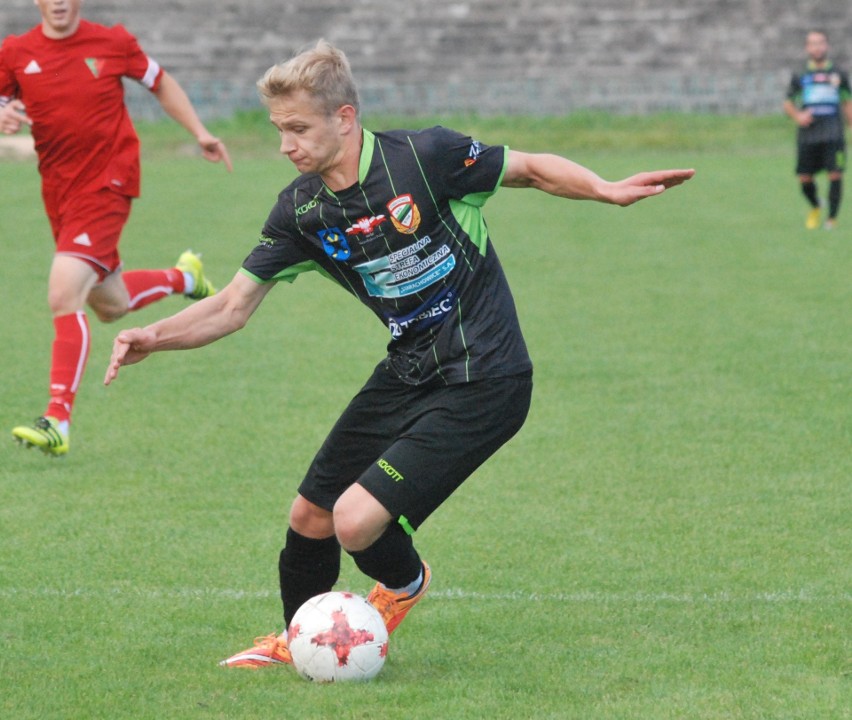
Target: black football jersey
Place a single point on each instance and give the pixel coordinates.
(409, 240)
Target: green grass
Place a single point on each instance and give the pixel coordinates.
(667, 538)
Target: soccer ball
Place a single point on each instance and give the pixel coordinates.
(337, 636)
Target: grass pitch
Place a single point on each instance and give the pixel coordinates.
(667, 538)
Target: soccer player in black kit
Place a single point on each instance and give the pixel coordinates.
(395, 219)
(818, 101)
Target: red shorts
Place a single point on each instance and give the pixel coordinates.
(88, 226)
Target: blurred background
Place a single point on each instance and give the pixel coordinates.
(539, 57)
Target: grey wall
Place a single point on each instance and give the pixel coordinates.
(533, 56)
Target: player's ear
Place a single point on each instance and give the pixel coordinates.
(348, 118)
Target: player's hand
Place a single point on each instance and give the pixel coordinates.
(12, 116)
(804, 118)
(130, 346)
(214, 150)
(638, 187)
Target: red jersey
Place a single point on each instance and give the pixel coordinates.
(73, 93)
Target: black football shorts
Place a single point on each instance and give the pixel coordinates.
(411, 447)
(814, 157)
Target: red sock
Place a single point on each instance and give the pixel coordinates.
(147, 286)
(70, 351)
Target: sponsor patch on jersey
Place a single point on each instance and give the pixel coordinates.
(407, 271)
(404, 213)
(334, 243)
(473, 153)
(432, 312)
(310, 205)
(366, 225)
(32, 68)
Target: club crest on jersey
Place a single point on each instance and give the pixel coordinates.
(95, 65)
(405, 215)
(334, 243)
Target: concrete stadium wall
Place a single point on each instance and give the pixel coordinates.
(490, 56)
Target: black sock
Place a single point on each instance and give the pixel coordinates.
(392, 559)
(809, 189)
(835, 191)
(306, 567)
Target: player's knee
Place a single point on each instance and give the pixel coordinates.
(351, 533)
(109, 313)
(310, 520)
(356, 527)
(62, 301)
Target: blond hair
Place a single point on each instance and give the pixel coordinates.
(322, 71)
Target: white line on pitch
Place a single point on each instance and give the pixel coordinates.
(790, 596)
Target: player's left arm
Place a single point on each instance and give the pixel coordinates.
(846, 98)
(562, 177)
(176, 103)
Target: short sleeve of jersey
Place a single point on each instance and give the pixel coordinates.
(139, 66)
(470, 171)
(845, 88)
(278, 255)
(794, 89)
(8, 84)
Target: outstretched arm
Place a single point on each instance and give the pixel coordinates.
(176, 103)
(562, 177)
(200, 324)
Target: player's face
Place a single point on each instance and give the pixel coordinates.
(816, 46)
(60, 18)
(309, 138)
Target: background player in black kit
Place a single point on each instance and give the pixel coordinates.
(818, 101)
(395, 219)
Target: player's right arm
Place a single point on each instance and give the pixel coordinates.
(802, 117)
(200, 324)
(793, 103)
(12, 111)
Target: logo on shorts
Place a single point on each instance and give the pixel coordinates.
(83, 239)
(392, 472)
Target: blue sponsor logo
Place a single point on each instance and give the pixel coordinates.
(432, 312)
(334, 243)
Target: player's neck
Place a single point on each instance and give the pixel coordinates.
(345, 173)
(53, 32)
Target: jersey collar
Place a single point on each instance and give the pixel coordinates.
(367, 146)
(828, 67)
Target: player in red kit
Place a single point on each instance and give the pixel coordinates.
(63, 79)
